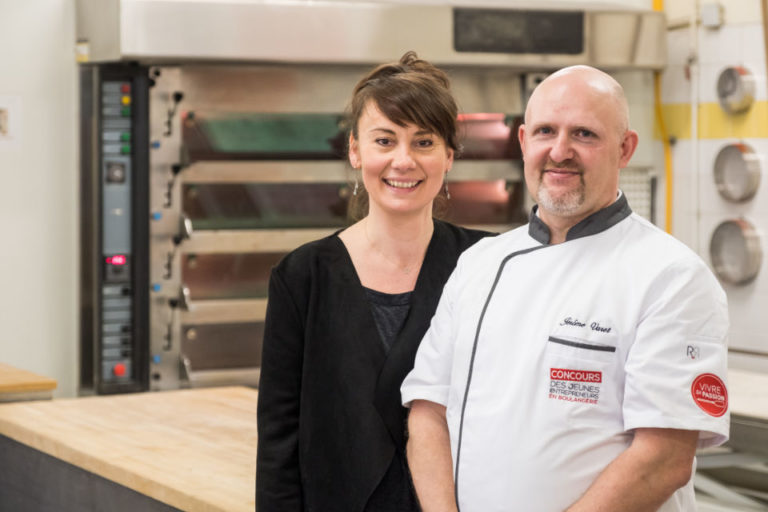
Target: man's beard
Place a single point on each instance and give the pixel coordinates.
(564, 204)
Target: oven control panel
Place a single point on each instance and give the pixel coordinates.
(114, 281)
(116, 177)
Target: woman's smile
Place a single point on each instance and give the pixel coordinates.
(401, 184)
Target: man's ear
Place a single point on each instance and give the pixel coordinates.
(521, 138)
(628, 147)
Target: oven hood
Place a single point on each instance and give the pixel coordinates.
(352, 32)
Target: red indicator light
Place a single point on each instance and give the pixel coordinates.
(119, 370)
(117, 259)
(125, 88)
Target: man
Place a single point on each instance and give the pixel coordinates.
(577, 362)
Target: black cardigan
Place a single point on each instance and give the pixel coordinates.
(329, 413)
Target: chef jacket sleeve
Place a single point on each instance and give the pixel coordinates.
(278, 479)
(676, 367)
(430, 378)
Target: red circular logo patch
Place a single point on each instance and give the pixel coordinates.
(710, 394)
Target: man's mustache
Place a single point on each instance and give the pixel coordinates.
(568, 165)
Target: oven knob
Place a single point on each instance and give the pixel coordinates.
(119, 370)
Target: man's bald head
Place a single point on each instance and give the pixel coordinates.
(578, 80)
(574, 141)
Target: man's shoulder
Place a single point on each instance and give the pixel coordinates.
(516, 235)
(656, 254)
(495, 247)
(652, 242)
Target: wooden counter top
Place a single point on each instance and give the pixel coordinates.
(15, 382)
(748, 393)
(192, 449)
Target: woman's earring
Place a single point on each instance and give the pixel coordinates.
(445, 186)
(354, 191)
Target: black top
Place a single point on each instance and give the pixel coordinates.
(389, 312)
(330, 421)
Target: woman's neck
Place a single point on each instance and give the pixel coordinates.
(401, 237)
(387, 251)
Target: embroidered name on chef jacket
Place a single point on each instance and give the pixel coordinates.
(577, 384)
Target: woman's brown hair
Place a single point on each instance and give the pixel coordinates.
(408, 91)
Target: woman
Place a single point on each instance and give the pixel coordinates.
(346, 313)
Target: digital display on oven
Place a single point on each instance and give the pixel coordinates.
(518, 31)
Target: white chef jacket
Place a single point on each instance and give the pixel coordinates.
(547, 356)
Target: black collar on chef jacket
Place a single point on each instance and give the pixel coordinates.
(595, 223)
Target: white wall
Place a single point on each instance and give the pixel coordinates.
(735, 11)
(39, 190)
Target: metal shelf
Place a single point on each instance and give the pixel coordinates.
(227, 377)
(335, 171)
(250, 240)
(223, 311)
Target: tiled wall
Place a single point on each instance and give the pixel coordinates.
(698, 208)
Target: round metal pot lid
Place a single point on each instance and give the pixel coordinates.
(735, 251)
(736, 89)
(737, 172)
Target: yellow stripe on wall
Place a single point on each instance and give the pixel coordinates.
(714, 123)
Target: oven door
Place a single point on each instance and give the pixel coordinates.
(260, 171)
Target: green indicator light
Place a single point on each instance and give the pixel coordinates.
(125, 137)
(125, 149)
(125, 111)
